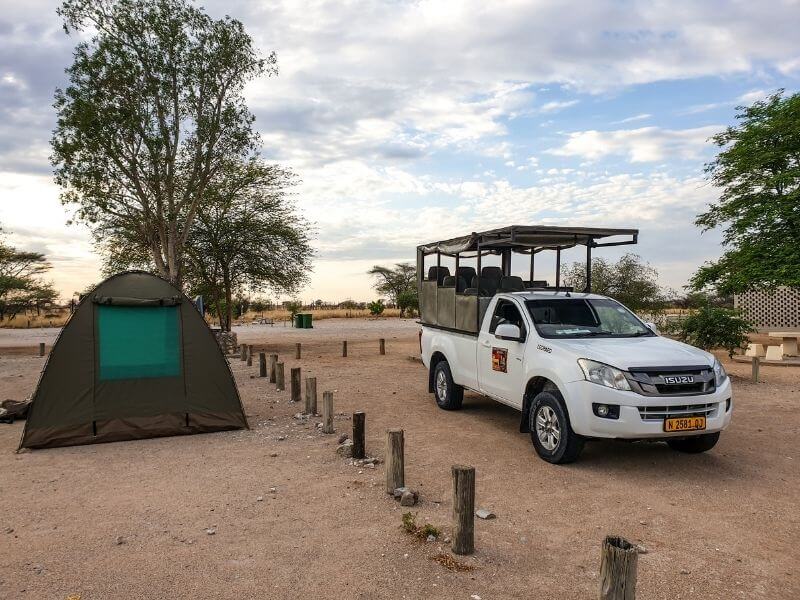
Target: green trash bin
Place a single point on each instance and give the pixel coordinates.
(298, 320)
(307, 321)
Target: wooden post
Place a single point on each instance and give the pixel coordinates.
(395, 465)
(463, 509)
(756, 365)
(295, 384)
(618, 566)
(382, 346)
(297, 353)
(359, 450)
(41, 348)
(311, 395)
(273, 368)
(344, 348)
(280, 382)
(243, 352)
(327, 412)
(262, 364)
(249, 356)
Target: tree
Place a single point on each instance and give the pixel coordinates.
(630, 280)
(758, 171)
(394, 281)
(713, 327)
(20, 286)
(408, 302)
(153, 110)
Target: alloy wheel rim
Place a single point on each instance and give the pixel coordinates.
(441, 386)
(548, 428)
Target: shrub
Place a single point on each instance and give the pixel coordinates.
(713, 327)
(376, 307)
(408, 301)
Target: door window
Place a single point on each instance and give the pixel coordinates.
(507, 312)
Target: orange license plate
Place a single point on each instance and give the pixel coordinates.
(684, 424)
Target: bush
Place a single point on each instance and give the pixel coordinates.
(712, 327)
(376, 307)
(408, 301)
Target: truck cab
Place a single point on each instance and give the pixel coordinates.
(578, 366)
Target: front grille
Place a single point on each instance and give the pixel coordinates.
(659, 413)
(650, 381)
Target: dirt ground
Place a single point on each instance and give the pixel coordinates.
(129, 519)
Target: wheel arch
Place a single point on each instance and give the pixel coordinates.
(535, 385)
(436, 358)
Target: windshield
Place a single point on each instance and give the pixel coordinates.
(578, 317)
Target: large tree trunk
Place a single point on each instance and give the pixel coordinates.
(226, 282)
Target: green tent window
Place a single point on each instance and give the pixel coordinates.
(138, 342)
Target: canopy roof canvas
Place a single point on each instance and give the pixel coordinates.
(529, 238)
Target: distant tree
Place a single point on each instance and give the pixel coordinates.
(318, 303)
(348, 305)
(408, 302)
(20, 285)
(758, 171)
(153, 110)
(394, 281)
(376, 307)
(630, 280)
(293, 306)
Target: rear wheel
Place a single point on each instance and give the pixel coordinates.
(695, 444)
(551, 432)
(449, 396)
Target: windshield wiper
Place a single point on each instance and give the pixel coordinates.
(594, 333)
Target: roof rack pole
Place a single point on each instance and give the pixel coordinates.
(458, 255)
(533, 255)
(558, 268)
(588, 288)
(478, 291)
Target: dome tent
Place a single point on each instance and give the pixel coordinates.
(136, 360)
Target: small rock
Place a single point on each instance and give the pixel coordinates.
(642, 522)
(281, 438)
(474, 597)
(398, 492)
(319, 425)
(120, 540)
(274, 455)
(408, 498)
(342, 437)
(431, 538)
(641, 549)
(9, 530)
(345, 449)
(685, 571)
(210, 531)
(484, 513)
(273, 490)
(260, 499)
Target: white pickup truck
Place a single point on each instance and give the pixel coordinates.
(581, 366)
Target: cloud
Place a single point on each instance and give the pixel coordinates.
(646, 144)
(555, 106)
(640, 117)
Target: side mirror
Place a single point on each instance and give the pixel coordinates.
(507, 331)
(652, 327)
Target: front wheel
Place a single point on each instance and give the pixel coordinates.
(695, 444)
(449, 396)
(551, 432)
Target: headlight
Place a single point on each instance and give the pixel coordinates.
(603, 374)
(719, 373)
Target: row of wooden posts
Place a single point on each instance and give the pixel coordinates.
(619, 559)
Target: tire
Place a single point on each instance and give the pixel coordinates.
(695, 444)
(551, 432)
(448, 394)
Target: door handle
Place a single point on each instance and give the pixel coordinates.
(485, 343)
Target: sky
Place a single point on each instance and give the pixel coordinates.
(410, 122)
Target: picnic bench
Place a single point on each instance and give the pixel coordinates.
(265, 321)
(786, 347)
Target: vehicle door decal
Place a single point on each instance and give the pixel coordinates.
(500, 360)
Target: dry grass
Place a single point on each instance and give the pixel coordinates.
(53, 319)
(280, 314)
(450, 563)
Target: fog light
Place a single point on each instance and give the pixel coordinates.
(605, 411)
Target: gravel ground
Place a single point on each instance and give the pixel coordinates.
(130, 519)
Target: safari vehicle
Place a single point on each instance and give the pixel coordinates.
(579, 366)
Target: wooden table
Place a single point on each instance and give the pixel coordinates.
(788, 341)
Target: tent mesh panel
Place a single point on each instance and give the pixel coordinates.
(138, 342)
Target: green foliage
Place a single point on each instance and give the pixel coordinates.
(394, 281)
(410, 526)
(153, 109)
(712, 327)
(293, 306)
(408, 301)
(758, 172)
(376, 308)
(630, 280)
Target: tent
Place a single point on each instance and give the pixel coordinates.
(136, 360)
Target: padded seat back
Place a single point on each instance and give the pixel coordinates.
(511, 284)
(438, 274)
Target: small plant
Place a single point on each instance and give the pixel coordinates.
(376, 308)
(712, 327)
(410, 526)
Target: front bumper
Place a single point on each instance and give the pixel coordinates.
(579, 396)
